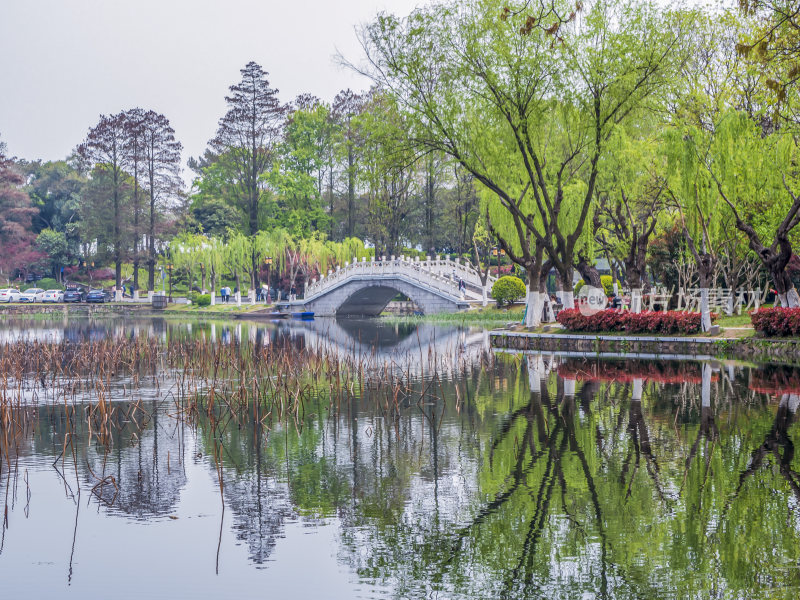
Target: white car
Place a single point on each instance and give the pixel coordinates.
(9, 295)
(53, 296)
(32, 295)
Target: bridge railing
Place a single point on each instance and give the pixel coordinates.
(456, 269)
(441, 274)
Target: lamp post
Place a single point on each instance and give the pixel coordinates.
(169, 270)
(268, 262)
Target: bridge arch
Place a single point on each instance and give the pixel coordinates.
(369, 295)
(369, 300)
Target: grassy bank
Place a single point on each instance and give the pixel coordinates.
(489, 316)
(216, 310)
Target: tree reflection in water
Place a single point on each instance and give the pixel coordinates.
(517, 476)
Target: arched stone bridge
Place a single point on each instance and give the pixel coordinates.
(364, 288)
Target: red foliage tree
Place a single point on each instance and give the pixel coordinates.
(16, 214)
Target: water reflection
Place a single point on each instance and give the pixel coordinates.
(524, 476)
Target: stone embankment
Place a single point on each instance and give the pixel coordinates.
(120, 308)
(758, 349)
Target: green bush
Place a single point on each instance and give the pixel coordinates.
(508, 289)
(202, 300)
(606, 280)
(608, 284)
(47, 283)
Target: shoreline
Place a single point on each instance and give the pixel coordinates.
(746, 348)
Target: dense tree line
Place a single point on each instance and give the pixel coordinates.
(598, 129)
(342, 169)
(663, 140)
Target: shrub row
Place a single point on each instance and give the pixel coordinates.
(776, 322)
(644, 322)
(201, 299)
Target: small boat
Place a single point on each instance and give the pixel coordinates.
(262, 315)
(303, 315)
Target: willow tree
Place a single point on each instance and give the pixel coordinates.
(518, 243)
(317, 256)
(239, 259)
(348, 249)
(773, 43)
(630, 202)
(691, 191)
(555, 85)
(212, 257)
(187, 252)
(481, 246)
(758, 178)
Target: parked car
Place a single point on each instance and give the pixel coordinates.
(74, 296)
(53, 296)
(98, 296)
(10, 295)
(32, 295)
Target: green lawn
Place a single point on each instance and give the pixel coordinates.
(482, 316)
(230, 308)
(742, 320)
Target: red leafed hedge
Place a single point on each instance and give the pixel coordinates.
(644, 322)
(776, 322)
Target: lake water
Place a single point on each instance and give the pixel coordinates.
(446, 471)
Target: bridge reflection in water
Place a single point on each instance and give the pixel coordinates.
(516, 476)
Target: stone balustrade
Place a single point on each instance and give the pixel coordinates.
(440, 274)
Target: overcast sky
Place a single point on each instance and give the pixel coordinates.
(65, 62)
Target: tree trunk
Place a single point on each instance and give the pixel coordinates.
(151, 239)
(784, 286)
(564, 281)
(117, 231)
(213, 287)
(634, 272)
(588, 272)
(330, 198)
(429, 207)
(549, 315)
(636, 300)
(351, 191)
(136, 225)
(705, 272)
(534, 304)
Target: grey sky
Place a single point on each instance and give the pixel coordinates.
(64, 62)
